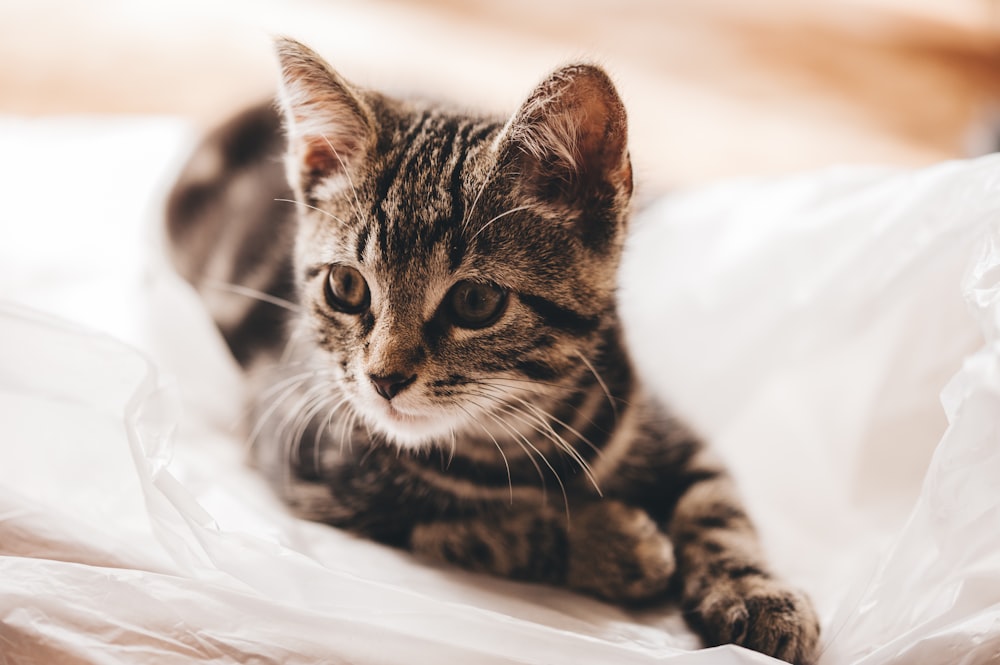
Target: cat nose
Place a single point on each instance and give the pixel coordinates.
(392, 384)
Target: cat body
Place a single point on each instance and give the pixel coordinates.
(434, 355)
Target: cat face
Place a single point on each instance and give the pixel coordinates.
(456, 272)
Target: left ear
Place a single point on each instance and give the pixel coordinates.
(570, 140)
(330, 129)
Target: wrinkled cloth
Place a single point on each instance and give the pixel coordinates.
(834, 334)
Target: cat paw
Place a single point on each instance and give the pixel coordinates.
(762, 614)
(617, 553)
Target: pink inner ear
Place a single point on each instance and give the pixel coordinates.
(320, 158)
(325, 156)
(574, 127)
(330, 128)
(601, 134)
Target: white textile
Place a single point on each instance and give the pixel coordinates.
(808, 325)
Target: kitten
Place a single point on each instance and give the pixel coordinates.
(435, 356)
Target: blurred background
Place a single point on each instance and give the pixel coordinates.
(715, 88)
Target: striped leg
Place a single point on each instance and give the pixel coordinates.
(610, 550)
(728, 594)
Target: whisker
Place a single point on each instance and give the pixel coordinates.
(531, 382)
(486, 182)
(531, 386)
(327, 422)
(350, 181)
(311, 207)
(289, 425)
(247, 410)
(329, 403)
(269, 411)
(489, 413)
(291, 345)
(561, 443)
(564, 445)
(368, 453)
(268, 392)
(347, 427)
(569, 427)
(453, 447)
(281, 441)
(500, 216)
(548, 384)
(308, 414)
(521, 438)
(510, 480)
(604, 386)
(553, 436)
(253, 294)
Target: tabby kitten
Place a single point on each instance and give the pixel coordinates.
(435, 356)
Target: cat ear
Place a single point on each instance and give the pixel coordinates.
(330, 129)
(571, 139)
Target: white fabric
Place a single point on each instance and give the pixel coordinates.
(808, 325)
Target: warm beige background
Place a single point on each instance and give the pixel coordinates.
(715, 87)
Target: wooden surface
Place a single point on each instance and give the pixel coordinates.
(714, 88)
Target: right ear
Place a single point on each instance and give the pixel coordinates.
(330, 129)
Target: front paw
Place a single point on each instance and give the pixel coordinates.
(616, 552)
(759, 613)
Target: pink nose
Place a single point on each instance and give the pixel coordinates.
(392, 384)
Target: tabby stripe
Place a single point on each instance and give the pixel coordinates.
(482, 132)
(450, 382)
(557, 316)
(458, 246)
(312, 271)
(511, 359)
(536, 370)
(570, 412)
(489, 477)
(505, 357)
(746, 570)
(396, 239)
(449, 132)
(596, 435)
(671, 468)
(721, 521)
(456, 175)
(363, 236)
(367, 323)
(618, 446)
(455, 181)
(456, 250)
(450, 135)
(681, 485)
(321, 311)
(602, 423)
(388, 176)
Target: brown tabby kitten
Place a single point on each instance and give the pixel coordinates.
(434, 351)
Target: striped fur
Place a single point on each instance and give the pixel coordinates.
(523, 447)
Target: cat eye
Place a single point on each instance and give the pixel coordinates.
(346, 290)
(475, 304)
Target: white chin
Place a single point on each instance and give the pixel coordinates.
(412, 431)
